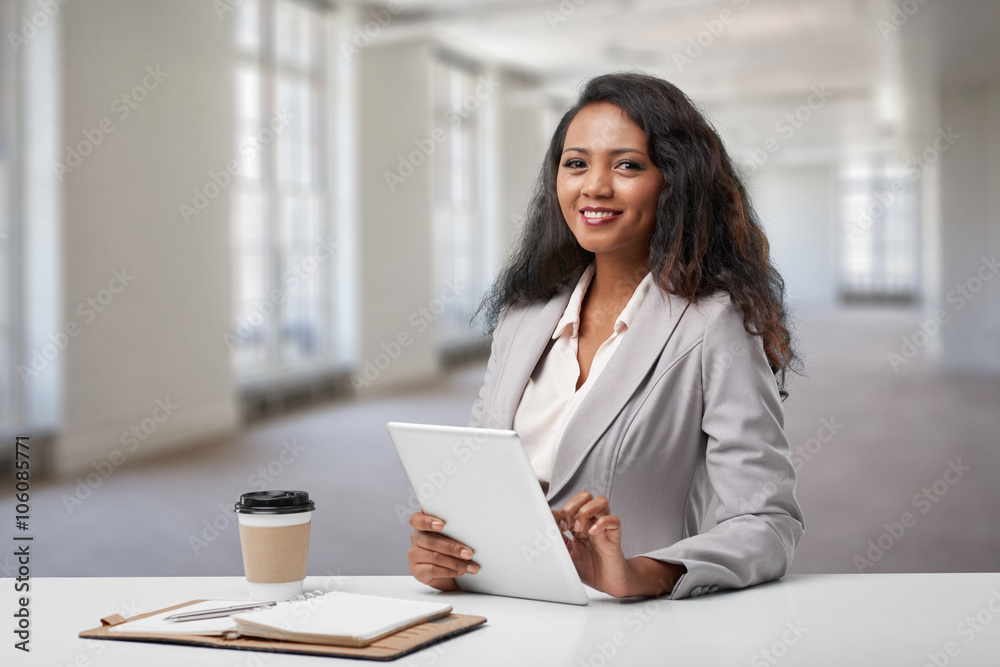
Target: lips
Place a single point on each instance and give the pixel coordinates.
(598, 215)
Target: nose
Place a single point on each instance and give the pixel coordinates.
(597, 182)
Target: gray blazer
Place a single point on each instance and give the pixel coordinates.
(686, 407)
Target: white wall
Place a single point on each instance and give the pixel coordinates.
(396, 235)
(796, 204)
(523, 142)
(162, 336)
(38, 240)
(970, 229)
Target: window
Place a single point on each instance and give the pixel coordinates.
(463, 259)
(879, 255)
(7, 134)
(283, 239)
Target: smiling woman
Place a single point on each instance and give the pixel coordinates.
(607, 185)
(639, 351)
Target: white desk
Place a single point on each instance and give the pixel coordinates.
(843, 620)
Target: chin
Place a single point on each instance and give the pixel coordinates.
(591, 242)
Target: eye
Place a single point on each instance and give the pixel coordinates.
(629, 165)
(574, 163)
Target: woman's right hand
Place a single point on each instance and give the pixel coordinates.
(437, 560)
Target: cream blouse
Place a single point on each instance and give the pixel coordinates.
(551, 398)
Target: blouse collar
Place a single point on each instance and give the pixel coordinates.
(571, 315)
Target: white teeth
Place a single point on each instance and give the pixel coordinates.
(599, 214)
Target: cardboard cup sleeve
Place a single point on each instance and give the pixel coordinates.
(274, 554)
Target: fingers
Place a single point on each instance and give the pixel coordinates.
(575, 503)
(437, 569)
(582, 510)
(589, 513)
(607, 527)
(425, 573)
(422, 521)
(440, 544)
(437, 564)
(435, 558)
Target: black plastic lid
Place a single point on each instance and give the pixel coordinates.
(274, 502)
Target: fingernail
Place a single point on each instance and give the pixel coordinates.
(437, 525)
(472, 569)
(577, 527)
(593, 529)
(465, 553)
(562, 524)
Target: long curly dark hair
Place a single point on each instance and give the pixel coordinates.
(707, 236)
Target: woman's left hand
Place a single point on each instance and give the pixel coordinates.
(596, 547)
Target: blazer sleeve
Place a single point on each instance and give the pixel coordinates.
(759, 522)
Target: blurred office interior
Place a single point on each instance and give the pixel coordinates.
(238, 236)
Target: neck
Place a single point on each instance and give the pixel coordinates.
(617, 277)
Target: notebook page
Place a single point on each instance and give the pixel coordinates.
(343, 614)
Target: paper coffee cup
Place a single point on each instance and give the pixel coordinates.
(274, 538)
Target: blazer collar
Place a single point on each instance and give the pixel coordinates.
(654, 324)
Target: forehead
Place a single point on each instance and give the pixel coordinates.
(603, 125)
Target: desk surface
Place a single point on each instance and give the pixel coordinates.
(815, 620)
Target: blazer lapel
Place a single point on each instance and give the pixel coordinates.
(654, 324)
(532, 335)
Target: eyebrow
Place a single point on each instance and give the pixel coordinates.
(616, 151)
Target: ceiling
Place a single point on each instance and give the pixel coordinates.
(748, 63)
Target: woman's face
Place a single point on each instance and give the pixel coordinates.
(606, 183)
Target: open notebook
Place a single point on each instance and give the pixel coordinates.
(337, 619)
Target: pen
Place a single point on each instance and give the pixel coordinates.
(216, 613)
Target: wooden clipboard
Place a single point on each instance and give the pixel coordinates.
(389, 647)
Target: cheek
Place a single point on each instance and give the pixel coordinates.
(565, 194)
(648, 194)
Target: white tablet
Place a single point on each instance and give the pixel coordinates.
(480, 483)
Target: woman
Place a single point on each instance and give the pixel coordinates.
(639, 350)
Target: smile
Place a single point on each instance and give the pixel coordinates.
(599, 216)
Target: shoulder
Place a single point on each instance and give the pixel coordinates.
(710, 316)
(713, 326)
(509, 318)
